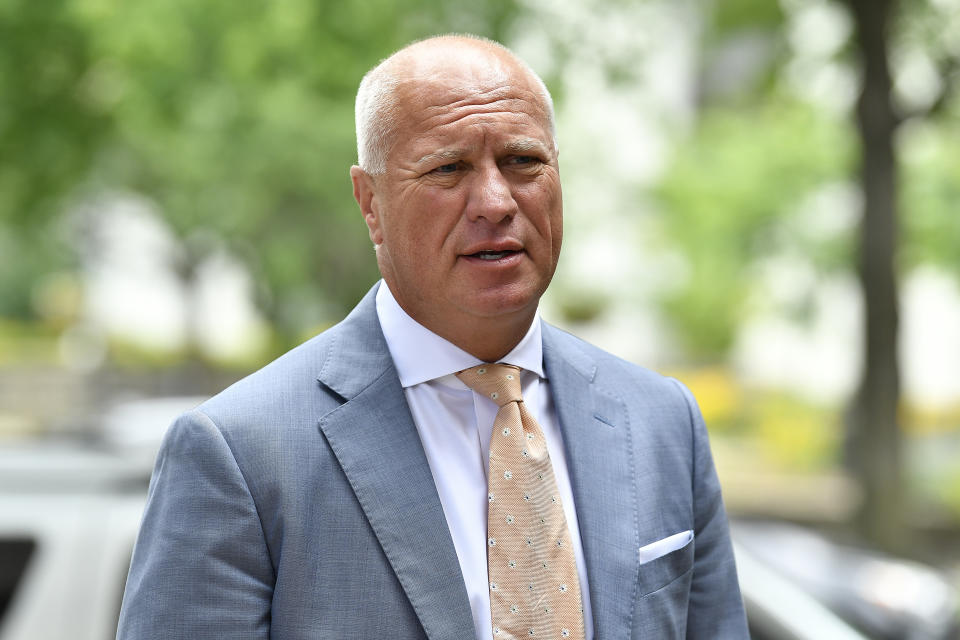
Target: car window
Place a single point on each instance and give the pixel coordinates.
(15, 555)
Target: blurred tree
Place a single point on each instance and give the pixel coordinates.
(759, 147)
(874, 428)
(874, 448)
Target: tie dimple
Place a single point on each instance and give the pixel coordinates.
(534, 586)
(499, 382)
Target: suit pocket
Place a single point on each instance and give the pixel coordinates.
(663, 599)
(661, 571)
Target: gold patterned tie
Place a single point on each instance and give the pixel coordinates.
(534, 588)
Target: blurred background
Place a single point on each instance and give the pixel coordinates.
(760, 200)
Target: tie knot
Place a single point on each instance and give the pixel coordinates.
(499, 382)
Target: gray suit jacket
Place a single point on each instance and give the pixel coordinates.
(299, 503)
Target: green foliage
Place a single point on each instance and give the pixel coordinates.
(49, 135)
(26, 255)
(730, 16)
(235, 118)
(49, 128)
(26, 344)
(726, 199)
(930, 195)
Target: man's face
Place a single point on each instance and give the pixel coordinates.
(468, 216)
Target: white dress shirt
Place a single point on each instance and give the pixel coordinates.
(455, 425)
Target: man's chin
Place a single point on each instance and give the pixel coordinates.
(505, 302)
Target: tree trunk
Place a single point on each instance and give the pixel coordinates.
(873, 429)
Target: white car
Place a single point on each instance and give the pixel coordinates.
(67, 529)
(69, 516)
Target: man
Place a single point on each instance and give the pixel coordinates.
(350, 489)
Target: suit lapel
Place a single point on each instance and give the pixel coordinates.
(600, 458)
(376, 442)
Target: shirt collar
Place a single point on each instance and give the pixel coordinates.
(420, 355)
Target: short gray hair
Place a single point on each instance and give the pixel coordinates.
(375, 109)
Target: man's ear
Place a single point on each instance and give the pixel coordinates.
(366, 196)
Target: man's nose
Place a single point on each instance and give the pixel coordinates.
(491, 196)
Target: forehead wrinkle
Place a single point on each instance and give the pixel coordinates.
(501, 99)
(471, 104)
(439, 118)
(478, 96)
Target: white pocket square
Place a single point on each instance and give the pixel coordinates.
(661, 548)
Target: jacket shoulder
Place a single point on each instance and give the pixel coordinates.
(289, 380)
(310, 379)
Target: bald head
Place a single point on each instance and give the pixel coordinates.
(412, 68)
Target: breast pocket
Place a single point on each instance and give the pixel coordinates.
(663, 595)
(668, 567)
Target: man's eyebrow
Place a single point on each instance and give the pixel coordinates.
(443, 154)
(525, 145)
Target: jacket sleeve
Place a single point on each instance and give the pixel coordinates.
(715, 606)
(200, 567)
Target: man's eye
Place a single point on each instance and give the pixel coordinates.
(524, 160)
(446, 168)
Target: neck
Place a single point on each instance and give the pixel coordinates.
(487, 337)
(488, 341)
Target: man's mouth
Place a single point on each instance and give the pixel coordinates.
(492, 255)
